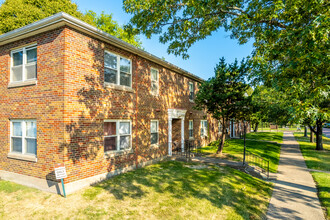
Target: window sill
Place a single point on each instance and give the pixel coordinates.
(154, 145)
(24, 83)
(19, 156)
(110, 154)
(118, 87)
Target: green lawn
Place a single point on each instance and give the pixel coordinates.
(323, 185)
(266, 136)
(233, 149)
(319, 160)
(279, 129)
(168, 190)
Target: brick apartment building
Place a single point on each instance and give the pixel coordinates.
(72, 94)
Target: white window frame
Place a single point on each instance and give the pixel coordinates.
(23, 124)
(191, 128)
(220, 127)
(24, 63)
(157, 82)
(118, 135)
(157, 144)
(203, 129)
(118, 69)
(191, 86)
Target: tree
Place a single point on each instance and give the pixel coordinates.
(106, 23)
(18, 13)
(291, 41)
(224, 95)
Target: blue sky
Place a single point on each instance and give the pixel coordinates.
(204, 55)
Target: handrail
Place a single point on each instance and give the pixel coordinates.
(256, 161)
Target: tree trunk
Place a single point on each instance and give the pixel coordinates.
(256, 127)
(223, 138)
(319, 141)
(305, 134)
(311, 136)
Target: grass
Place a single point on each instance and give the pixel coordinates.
(323, 185)
(318, 160)
(168, 190)
(266, 136)
(279, 129)
(233, 149)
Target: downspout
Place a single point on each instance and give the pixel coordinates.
(136, 122)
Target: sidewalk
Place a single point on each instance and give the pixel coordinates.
(295, 193)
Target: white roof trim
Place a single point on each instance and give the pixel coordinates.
(61, 19)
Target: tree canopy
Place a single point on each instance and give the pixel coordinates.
(18, 13)
(224, 96)
(291, 41)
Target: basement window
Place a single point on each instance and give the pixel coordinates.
(117, 70)
(117, 135)
(24, 64)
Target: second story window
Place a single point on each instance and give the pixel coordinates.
(24, 64)
(117, 70)
(191, 91)
(154, 81)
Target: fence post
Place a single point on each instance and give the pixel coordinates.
(268, 171)
(244, 145)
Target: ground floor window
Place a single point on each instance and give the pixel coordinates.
(220, 127)
(23, 136)
(154, 132)
(203, 128)
(117, 135)
(191, 128)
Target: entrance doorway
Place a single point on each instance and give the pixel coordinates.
(176, 130)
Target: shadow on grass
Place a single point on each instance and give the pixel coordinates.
(266, 136)
(227, 188)
(234, 148)
(319, 160)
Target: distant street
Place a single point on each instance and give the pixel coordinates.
(326, 132)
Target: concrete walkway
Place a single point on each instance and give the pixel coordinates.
(295, 193)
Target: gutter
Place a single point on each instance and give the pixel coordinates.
(62, 19)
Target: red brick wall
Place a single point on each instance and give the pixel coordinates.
(70, 104)
(43, 102)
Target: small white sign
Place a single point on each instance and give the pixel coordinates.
(60, 173)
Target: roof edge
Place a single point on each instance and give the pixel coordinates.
(62, 19)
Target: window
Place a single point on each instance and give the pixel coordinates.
(23, 136)
(203, 128)
(117, 70)
(154, 81)
(191, 128)
(220, 127)
(117, 135)
(154, 132)
(191, 91)
(24, 64)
